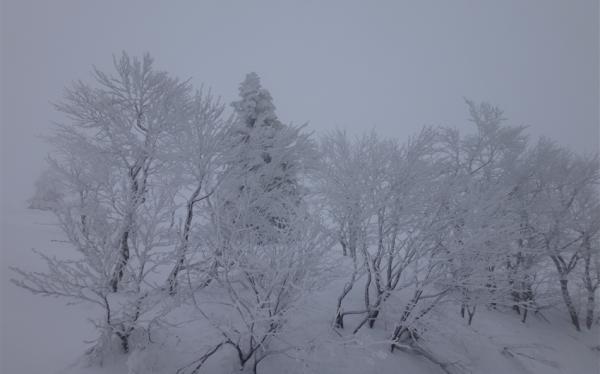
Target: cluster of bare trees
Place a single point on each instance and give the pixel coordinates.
(161, 193)
(477, 219)
(164, 195)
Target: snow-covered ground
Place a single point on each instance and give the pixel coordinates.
(41, 335)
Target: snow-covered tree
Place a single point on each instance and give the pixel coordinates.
(259, 287)
(199, 149)
(265, 162)
(559, 181)
(342, 182)
(479, 168)
(264, 245)
(383, 209)
(115, 203)
(586, 222)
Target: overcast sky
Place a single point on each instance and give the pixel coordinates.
(389, 65)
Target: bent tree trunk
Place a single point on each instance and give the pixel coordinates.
(172, 280)
(137, 198)
(569, 303)
(339, 314)
(564, 268)
(401, 329)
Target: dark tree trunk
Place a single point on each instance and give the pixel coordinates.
(339, 317)
(528, 299)
(339, 320)
(119, 270)
(589, 318)
(569, 303)
(400, 329)
(516, 301)
(589, 285)
(471, 313)
(137, 192)
(344, 249)
(396, 336)
(172, 280)
(124, 341)
(372, 317)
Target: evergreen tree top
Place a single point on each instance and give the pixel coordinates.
(255, 107)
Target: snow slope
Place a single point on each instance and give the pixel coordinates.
(44, 335)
